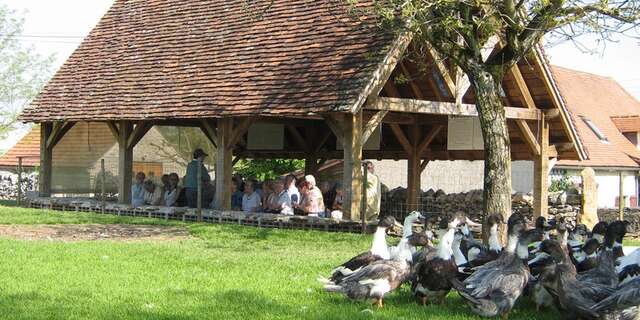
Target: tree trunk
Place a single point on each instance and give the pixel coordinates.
(497, 148)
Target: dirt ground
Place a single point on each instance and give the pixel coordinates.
(88, 232)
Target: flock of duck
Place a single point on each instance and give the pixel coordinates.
(584, 274)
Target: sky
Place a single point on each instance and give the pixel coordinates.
(58, 26)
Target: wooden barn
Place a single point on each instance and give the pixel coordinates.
(298, 79)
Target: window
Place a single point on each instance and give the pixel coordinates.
(595, 130)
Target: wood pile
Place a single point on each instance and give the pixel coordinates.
(9, 184)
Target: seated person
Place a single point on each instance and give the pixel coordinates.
(282, 204)
(328, 194)
(236, 196)
(137, 190)
(152, 194)
(164, 179)
(171, 190)
(250, 199)
(313, 201)
(338, 201)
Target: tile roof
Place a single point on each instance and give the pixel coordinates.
(188, 59)
(28, 147)
(600, 100)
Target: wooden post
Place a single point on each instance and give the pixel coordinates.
(413, 169)
(541, 174)
(352, 174)
(363, 204)
(103, 176)
(310, 164)
(621, 196)
(46, 158)
(199, 184)
(125, 162)
(224, 168)
(19, 193)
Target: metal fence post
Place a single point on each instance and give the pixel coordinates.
(363, 199)
(199, 179)
(19, 194)
(102, 184)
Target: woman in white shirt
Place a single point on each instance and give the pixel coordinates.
(172, 191)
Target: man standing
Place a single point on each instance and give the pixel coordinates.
(191, 179)
(373, 193)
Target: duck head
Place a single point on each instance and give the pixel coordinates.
(590, 247)
(526, 238)
(580, 233)
(409, 220)
(615, 235)
(493, 223)
(543, 226)
(389, 223)
(599, 231)
(553, 249)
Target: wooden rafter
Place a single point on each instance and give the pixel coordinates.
(335, 125)
(114, 129)
(445, 108)
(412, 84)
(528, 136)
(424, 164)
(438, 61)
(240, 130)
(323, 139)
(297, 137)
(58, 131)
(424, 144)
(402, 138)
(383, 72)
(372, 125)
(521, 85)
(209, 131)
(142, 127)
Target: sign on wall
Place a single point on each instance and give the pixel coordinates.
(265, 136)
(464, 133)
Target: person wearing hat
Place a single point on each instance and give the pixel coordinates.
(191, 179)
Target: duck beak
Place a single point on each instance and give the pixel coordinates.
(470, 223)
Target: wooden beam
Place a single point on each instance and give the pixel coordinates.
(417, 93)
(125, 162)
(334, 122)
(541, 174)
(114, 129)
(383, 72)
(323, 139)
(521, 85)
(142, 127)
(402, 138)
(46, 159)
(210, 131)
(445, 108)
(424, 164)
(428, 139)
(240, 130)
(551, 113)
(297, 137)
(224, 160)
(372, 125)
(58, 131)
(621, 202)
(528, 136)
(438, 61)
(352, 161)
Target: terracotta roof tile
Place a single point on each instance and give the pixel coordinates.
(599, 99)
(186, 59)
(28, 147)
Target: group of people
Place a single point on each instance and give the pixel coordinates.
(283, 196)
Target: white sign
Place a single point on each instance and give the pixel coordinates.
(265, 136)
(464, 133)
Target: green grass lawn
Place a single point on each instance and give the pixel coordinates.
(221, 272)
